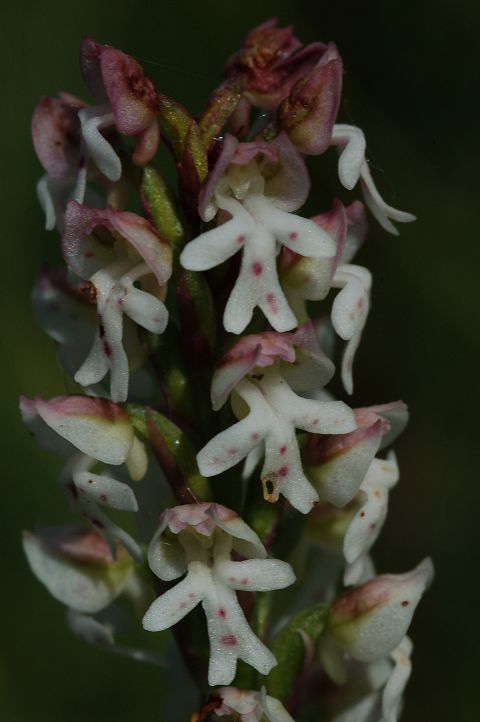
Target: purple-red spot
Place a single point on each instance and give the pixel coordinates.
(232, 451)
(191, 595)
(241, 239)
(314, 422)
(257, 268)
(283, 449)
(255, 436)
(107, 349)
(103, 497)
(293, 236)
(229, 640)
(222, 613)
(372, 526)
(244, 580)
(283, 471)
(272, 302)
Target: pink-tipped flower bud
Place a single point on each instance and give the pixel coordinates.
(371, 620)
(309, 111)
(270, 62)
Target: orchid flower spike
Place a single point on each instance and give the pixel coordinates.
(353, 166)
(99, 431)
(258, 185)
(126, 99)
(111, 251)
(250, 706)
(199, 539)
(253, 370)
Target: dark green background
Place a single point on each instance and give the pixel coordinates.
(411, 79)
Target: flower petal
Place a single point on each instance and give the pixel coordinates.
(175, 604)
(166, 557)
(99, 428)
(255, 575)
(381, 210)
(107, 491)
(393, 692)
(301, 235)
(232, 445)
(352, 155)
(231, 637)
(92, 121)
(146, 310)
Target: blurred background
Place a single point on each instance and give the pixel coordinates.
(411, 76)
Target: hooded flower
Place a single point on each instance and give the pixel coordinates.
(370, 621)
(58, 145)
(87, 431)
(337, 465)
(309, 111)
(66, 310)
(251, 706)
(258, 185)
(353, 166)
(111, 251)
(253, 369)
(77, 567)
(126, 99)
(198, 540)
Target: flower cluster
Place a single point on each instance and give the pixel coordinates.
(140, 301)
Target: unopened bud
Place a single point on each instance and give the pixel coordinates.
(371, 620)
(309, 112)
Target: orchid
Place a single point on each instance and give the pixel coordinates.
(87, 431)
(202, 331)
(274, 413)
(207, 534)
(261, 216)
(126, 100)
(111, 267)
